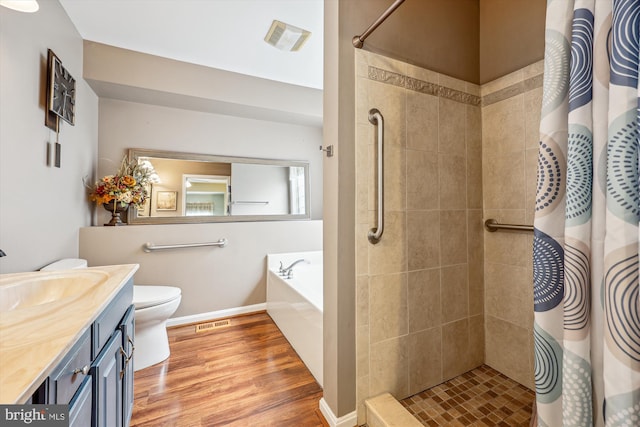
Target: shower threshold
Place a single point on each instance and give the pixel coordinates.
(481, 397)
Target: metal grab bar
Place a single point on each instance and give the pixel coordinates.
(250, 203)
(493, 225)
(358, 41)
(150, 247)
(375, 117)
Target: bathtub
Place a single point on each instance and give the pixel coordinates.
(295, 305)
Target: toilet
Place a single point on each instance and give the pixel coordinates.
(153, 306)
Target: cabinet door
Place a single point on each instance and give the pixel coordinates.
(80, 406)
(127, 328)
(107, 390)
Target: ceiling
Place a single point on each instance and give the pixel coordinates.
(223, 34)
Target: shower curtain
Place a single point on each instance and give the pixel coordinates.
(587, 317)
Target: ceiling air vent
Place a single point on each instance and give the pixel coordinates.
(286, 37)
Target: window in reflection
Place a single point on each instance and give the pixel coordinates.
(205, 195)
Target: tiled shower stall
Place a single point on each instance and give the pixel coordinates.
(439, 295)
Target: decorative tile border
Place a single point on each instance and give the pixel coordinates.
(400, 80)
(513, 90)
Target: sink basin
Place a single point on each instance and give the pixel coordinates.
(46, 287)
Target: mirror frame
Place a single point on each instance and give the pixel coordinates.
(135, 153)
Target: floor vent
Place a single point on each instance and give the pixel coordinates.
(208, 326)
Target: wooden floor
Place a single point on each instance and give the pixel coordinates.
(246, 374)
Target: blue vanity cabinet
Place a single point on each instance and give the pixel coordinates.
(107, 390)
(112, 336)
(95, 377)
(127, 327)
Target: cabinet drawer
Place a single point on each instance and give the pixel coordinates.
(108, 321)
(67, 378)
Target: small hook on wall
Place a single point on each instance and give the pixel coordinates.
(329, 150)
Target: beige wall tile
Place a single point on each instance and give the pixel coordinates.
(453, 83)
(422, 121)
(362, 351)
(362, 63)
(455, 293)
(425, 359)
(507, 294)
(362, 248)
(453, 237)
(503, 181)
(391, 102)
(422, 74)
(529, 378)
(424, 299)
(389, 370)
(472, 89)
(386, 63)
(363, 173)
(505, 247)
(476, 341)
(388, 315)
(362, 393)
(453, 181)
(473, 128)
(507, 349)
(455, 348)
(422, 180)
(451, 135)
(395, 178)
(532, 70)
(532, 111)
(423, 239)
(502, 82)
(362, 301)
(475, 246)
(474, 179)
(503, 126)
(389, 255)
(531, 174)
(363, 86)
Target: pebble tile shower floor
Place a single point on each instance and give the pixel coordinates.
(481, 397)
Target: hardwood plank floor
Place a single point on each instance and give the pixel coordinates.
(245, 374)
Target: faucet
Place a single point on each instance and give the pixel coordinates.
(288, 271)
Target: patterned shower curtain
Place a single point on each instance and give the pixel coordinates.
(586, 290)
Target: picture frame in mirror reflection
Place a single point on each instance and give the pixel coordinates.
(167, 200)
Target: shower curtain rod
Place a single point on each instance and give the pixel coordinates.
(358, 41)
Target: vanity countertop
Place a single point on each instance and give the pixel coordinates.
(34, 339)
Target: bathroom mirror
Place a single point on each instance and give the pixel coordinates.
(196, 188)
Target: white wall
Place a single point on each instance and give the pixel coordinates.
(211, 278)
(126, 125)
(41, 207)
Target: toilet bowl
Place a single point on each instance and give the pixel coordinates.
(153, 306)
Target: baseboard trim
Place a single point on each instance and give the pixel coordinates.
(235, 311)
(349, 420)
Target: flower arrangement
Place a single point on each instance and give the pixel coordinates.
(127, 187)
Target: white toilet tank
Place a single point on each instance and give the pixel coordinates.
(65, 264)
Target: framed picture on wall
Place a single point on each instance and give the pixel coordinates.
(166, 200)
